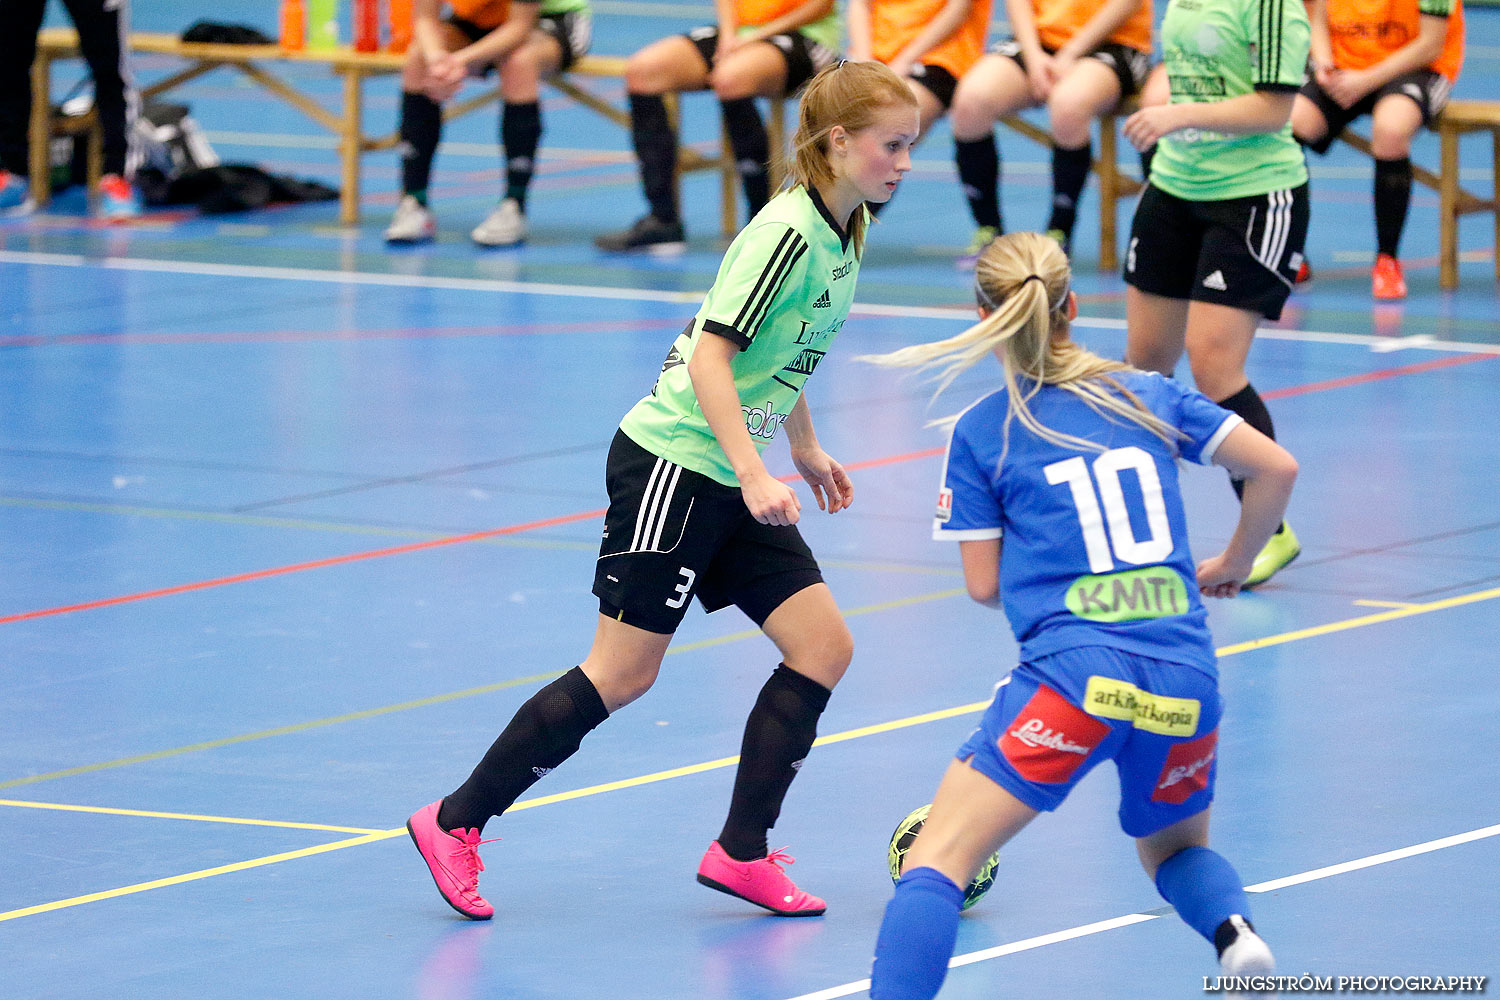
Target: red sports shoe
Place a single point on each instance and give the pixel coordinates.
(761, 882)
(453, 859)
(1386, 281)
(1304, 273)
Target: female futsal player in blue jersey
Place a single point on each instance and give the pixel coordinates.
(1061, 490)
(694, 512)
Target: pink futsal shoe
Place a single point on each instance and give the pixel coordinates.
(761, 882)
(453, 859)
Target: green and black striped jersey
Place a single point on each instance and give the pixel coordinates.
(782, 294)
(1215, 50)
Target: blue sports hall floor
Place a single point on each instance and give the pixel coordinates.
(291, 523)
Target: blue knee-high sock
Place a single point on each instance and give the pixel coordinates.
(1203, 888)
(916, 938)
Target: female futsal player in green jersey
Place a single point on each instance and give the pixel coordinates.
(1219, 232)
(693, 510)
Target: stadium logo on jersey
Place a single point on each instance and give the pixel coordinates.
(1110, 698)
(1187, 770)
(945, 505)
(1050, 738)
(822, 301)
(1216, 282)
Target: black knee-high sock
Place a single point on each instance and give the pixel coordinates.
(751, 147)
(1070, 172)
(520, 133)
(1392, 198)
(1252, 409)
(421, 130)
(778, 735)
(656, 149)
(979, 172)
(543, 733)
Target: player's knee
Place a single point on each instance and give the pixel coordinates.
(642, 75)
(732, 86)
(1390, 142)
(1070, 124)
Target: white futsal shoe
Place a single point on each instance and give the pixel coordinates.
(504, 227)
(412, 223)
(1246, 956)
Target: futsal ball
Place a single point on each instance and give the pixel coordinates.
(906, 833)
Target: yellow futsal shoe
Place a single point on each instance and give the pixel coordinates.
(1279, 551)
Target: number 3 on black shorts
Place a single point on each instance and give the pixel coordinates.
(684, 589)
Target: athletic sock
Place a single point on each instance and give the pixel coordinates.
(1252, 409)
(778, 734)
(1070, 172)
(656, 149)
(543, 733)
(916, 937)
(1204, 889)
(520, 133)
(751, 147)
(978, 164)
(421, 130)
(1392, 198)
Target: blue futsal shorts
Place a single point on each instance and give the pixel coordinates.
(1057, 716)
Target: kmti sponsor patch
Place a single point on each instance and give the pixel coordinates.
(1133, 595)
(1109, 698)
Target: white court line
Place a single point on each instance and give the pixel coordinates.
(956, 314)
(1056, 937)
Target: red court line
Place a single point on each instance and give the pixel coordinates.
(1338, 383)
(322, 335)
(262, 574)
(1377, 376)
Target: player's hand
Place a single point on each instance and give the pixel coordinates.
(901, 67)
(729, 43)
(830, 483)
(1346, 87)
(769, 500)
(1059, 66)
(1324, 75)
(1217, 578)
(445, 76)
(1039, 76)
(1148, 125)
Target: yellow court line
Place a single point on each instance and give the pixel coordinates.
(1384, 604)
(438, 699)
(884, 727)
(104, 810)
(1363, 620)
(162, 883)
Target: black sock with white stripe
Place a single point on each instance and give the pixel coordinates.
(1070, 172)
(778, 735)
(978, 163)
(543, 733)
(1252, 409)
(752, 149)
(520, 133)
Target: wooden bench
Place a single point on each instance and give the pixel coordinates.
(1457, 119)
(347, 124)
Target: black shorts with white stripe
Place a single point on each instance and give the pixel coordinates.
(1239, 252)
(671, 534)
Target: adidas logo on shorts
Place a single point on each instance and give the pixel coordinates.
(822, 301)
(1216, 282)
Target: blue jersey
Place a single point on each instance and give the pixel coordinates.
(1095, 549)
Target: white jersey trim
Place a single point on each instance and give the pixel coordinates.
(964, 534)
(1206, 456)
